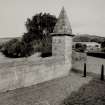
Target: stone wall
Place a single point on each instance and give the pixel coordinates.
(17, 73)
(93, 64)
(26, 72)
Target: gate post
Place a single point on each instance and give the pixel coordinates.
(102, 72)
(84, 73)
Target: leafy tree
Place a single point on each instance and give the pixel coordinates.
(39, 26)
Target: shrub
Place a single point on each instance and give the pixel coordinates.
(15, 48)
(80, 47)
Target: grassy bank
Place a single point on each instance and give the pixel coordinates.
(92, 93)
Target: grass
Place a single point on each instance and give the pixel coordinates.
(92, 93)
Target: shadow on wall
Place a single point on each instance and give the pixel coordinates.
(92, 93)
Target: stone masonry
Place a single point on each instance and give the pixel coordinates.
(23, 72)
(62, 37)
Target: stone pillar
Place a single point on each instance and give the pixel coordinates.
(62, 38)
(62, 46)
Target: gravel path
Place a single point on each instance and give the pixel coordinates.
(47, 93)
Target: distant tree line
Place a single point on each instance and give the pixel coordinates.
(88, 38)
(36, 39)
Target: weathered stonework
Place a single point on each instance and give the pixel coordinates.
(23, 72)
(63, 25)
(62, 37)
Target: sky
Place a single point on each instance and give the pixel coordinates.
(85, 16)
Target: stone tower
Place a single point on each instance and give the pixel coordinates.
(62, 37)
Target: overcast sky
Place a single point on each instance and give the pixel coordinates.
(86, 16)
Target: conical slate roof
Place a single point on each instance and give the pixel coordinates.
(63, 25)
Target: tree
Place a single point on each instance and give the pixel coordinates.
(39, 26)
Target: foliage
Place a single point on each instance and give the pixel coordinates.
(37, 37)
(103, 44)
(39, 27)
(13, 48)
(80, 47)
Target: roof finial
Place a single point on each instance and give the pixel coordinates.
(63, 25)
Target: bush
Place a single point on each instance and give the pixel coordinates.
(80, 47)
(9, 48)
(15, 48)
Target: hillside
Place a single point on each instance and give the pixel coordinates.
(77, 38)
(88, 38)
